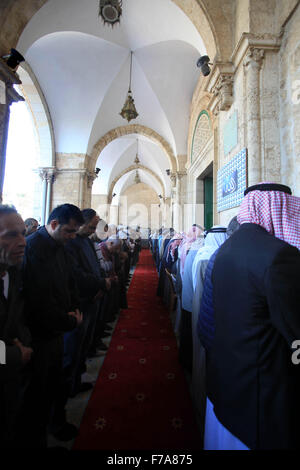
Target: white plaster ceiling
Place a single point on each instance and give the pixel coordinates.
(83, 67)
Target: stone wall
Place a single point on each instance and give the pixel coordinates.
(261, 83)
(139, 206)
(100, 205)
(289, 92)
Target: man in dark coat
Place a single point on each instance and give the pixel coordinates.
(92, 285)
(14, 336)
(52, 302)
(253, 383)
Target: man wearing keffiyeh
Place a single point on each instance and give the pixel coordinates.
(253, 386)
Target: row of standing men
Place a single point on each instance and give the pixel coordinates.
(63, 287)
(238, 320)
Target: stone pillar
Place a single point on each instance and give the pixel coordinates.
(47, 176)
(50, 178)
(91, 176)
(252, 63)
(43, 176)
(8, 95)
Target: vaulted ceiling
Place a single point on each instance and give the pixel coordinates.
(83, 66)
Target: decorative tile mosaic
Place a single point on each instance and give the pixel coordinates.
(232, 182)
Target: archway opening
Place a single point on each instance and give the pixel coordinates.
(21, 160)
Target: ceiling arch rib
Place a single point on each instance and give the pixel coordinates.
(147, 101)
(133, 129)
(72, 98)
(133, 168)
(128, 180)
(201, 13)
(35, 100)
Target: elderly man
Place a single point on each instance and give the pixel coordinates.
(15, 338)
(253, 385)
(52, 307)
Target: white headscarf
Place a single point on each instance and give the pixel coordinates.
(212, 241)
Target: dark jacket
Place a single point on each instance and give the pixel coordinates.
(12, 324)
(206, 321)
(88, 274)
(251, 379)
(49, 286)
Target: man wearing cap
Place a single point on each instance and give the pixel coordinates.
(252, 383)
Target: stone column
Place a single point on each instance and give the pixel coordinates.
(252, 63)
(91, 176)
(50, 178)
(8, 95)
(43, 176)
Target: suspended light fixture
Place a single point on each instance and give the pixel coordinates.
(137, 160)
(128, 111)
(137, 178)
(110, 11)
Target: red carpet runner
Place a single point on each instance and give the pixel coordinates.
(141, 399)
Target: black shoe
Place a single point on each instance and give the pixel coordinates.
(101, 346)
(108, 328)
(66, 433)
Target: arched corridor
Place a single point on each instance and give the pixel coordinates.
(141, 398)
(167, 125)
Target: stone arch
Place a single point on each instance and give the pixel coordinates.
(127, 170)
(202, 133)
(133, 129)
(40, 113)
(213, 21)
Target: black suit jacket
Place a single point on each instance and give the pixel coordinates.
(251, 380)
(88, 276)
(12, 325)
(49, 286)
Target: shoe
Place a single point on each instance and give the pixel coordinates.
(108, 328)
(101, 346)
(66, 433)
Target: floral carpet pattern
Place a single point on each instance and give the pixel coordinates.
(141, 399)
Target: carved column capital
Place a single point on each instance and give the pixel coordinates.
(254, 57)
(47, 174)
(180, 174)
(223, 91)
(173, 179)
(91, 176)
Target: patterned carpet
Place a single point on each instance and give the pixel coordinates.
(141, 399)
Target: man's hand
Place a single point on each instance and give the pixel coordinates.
(25, 351)
(108, 283)
(77, 315)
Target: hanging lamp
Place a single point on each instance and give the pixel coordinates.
(128, 111)
(110, 11)
(137, 160)
(137, 178)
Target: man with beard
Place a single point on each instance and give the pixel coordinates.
(52, 309)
